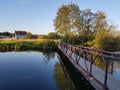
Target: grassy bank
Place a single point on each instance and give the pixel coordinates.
(10, 44)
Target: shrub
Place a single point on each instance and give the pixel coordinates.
(107, 41)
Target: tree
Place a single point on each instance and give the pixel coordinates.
(108, 41)
(42, 37)
(68, 20)
(69, 38)
(101, 23)
(28, 36)
(101, 26)
(80, 23)
(88, 20)
(61, 22)
(83, 26)
(74, 18)
(5, 33)
(51, 35)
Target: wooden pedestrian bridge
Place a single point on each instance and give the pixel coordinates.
(85, 60)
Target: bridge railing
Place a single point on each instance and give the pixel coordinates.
(94, 56)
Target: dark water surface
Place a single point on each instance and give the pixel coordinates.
(32, 70)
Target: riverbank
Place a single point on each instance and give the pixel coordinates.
(25, 44)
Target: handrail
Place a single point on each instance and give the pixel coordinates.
(108, 54)
(90, 54)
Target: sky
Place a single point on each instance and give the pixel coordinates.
(36, 16)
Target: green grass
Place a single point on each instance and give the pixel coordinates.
(25, 44)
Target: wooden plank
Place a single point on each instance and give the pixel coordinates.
(112, 83)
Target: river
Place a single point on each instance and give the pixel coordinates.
(36, 70)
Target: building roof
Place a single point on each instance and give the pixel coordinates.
(20, 32)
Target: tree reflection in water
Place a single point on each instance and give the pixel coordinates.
(62, 78)
(48, 56)
(67, 77)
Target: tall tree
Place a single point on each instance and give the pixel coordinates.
(68, 20)
(101, 27)
(74, 18)
(101, 23)
(88, 20)
(61, 21)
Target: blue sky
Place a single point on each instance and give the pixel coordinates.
(36, 16)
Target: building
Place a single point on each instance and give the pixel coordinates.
(20, 34)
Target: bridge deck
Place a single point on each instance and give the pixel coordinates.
(97, 79)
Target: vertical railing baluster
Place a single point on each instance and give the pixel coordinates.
(91, 62)
(112, 66)
(106, 73)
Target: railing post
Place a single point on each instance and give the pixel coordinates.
(91, 62)
(66, 49)
(106, 74)
(112, 66)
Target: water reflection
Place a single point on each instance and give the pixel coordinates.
(67, 77)
(113, 66)
(116, 73)
(36, 70)
(61, 80)
(48, 56)
(26, 71)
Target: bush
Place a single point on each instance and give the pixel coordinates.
(107, 41)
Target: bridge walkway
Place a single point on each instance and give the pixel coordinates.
(83, 60)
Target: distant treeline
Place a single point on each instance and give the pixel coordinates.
(5, 33)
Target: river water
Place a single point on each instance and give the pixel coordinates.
(35, 70)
